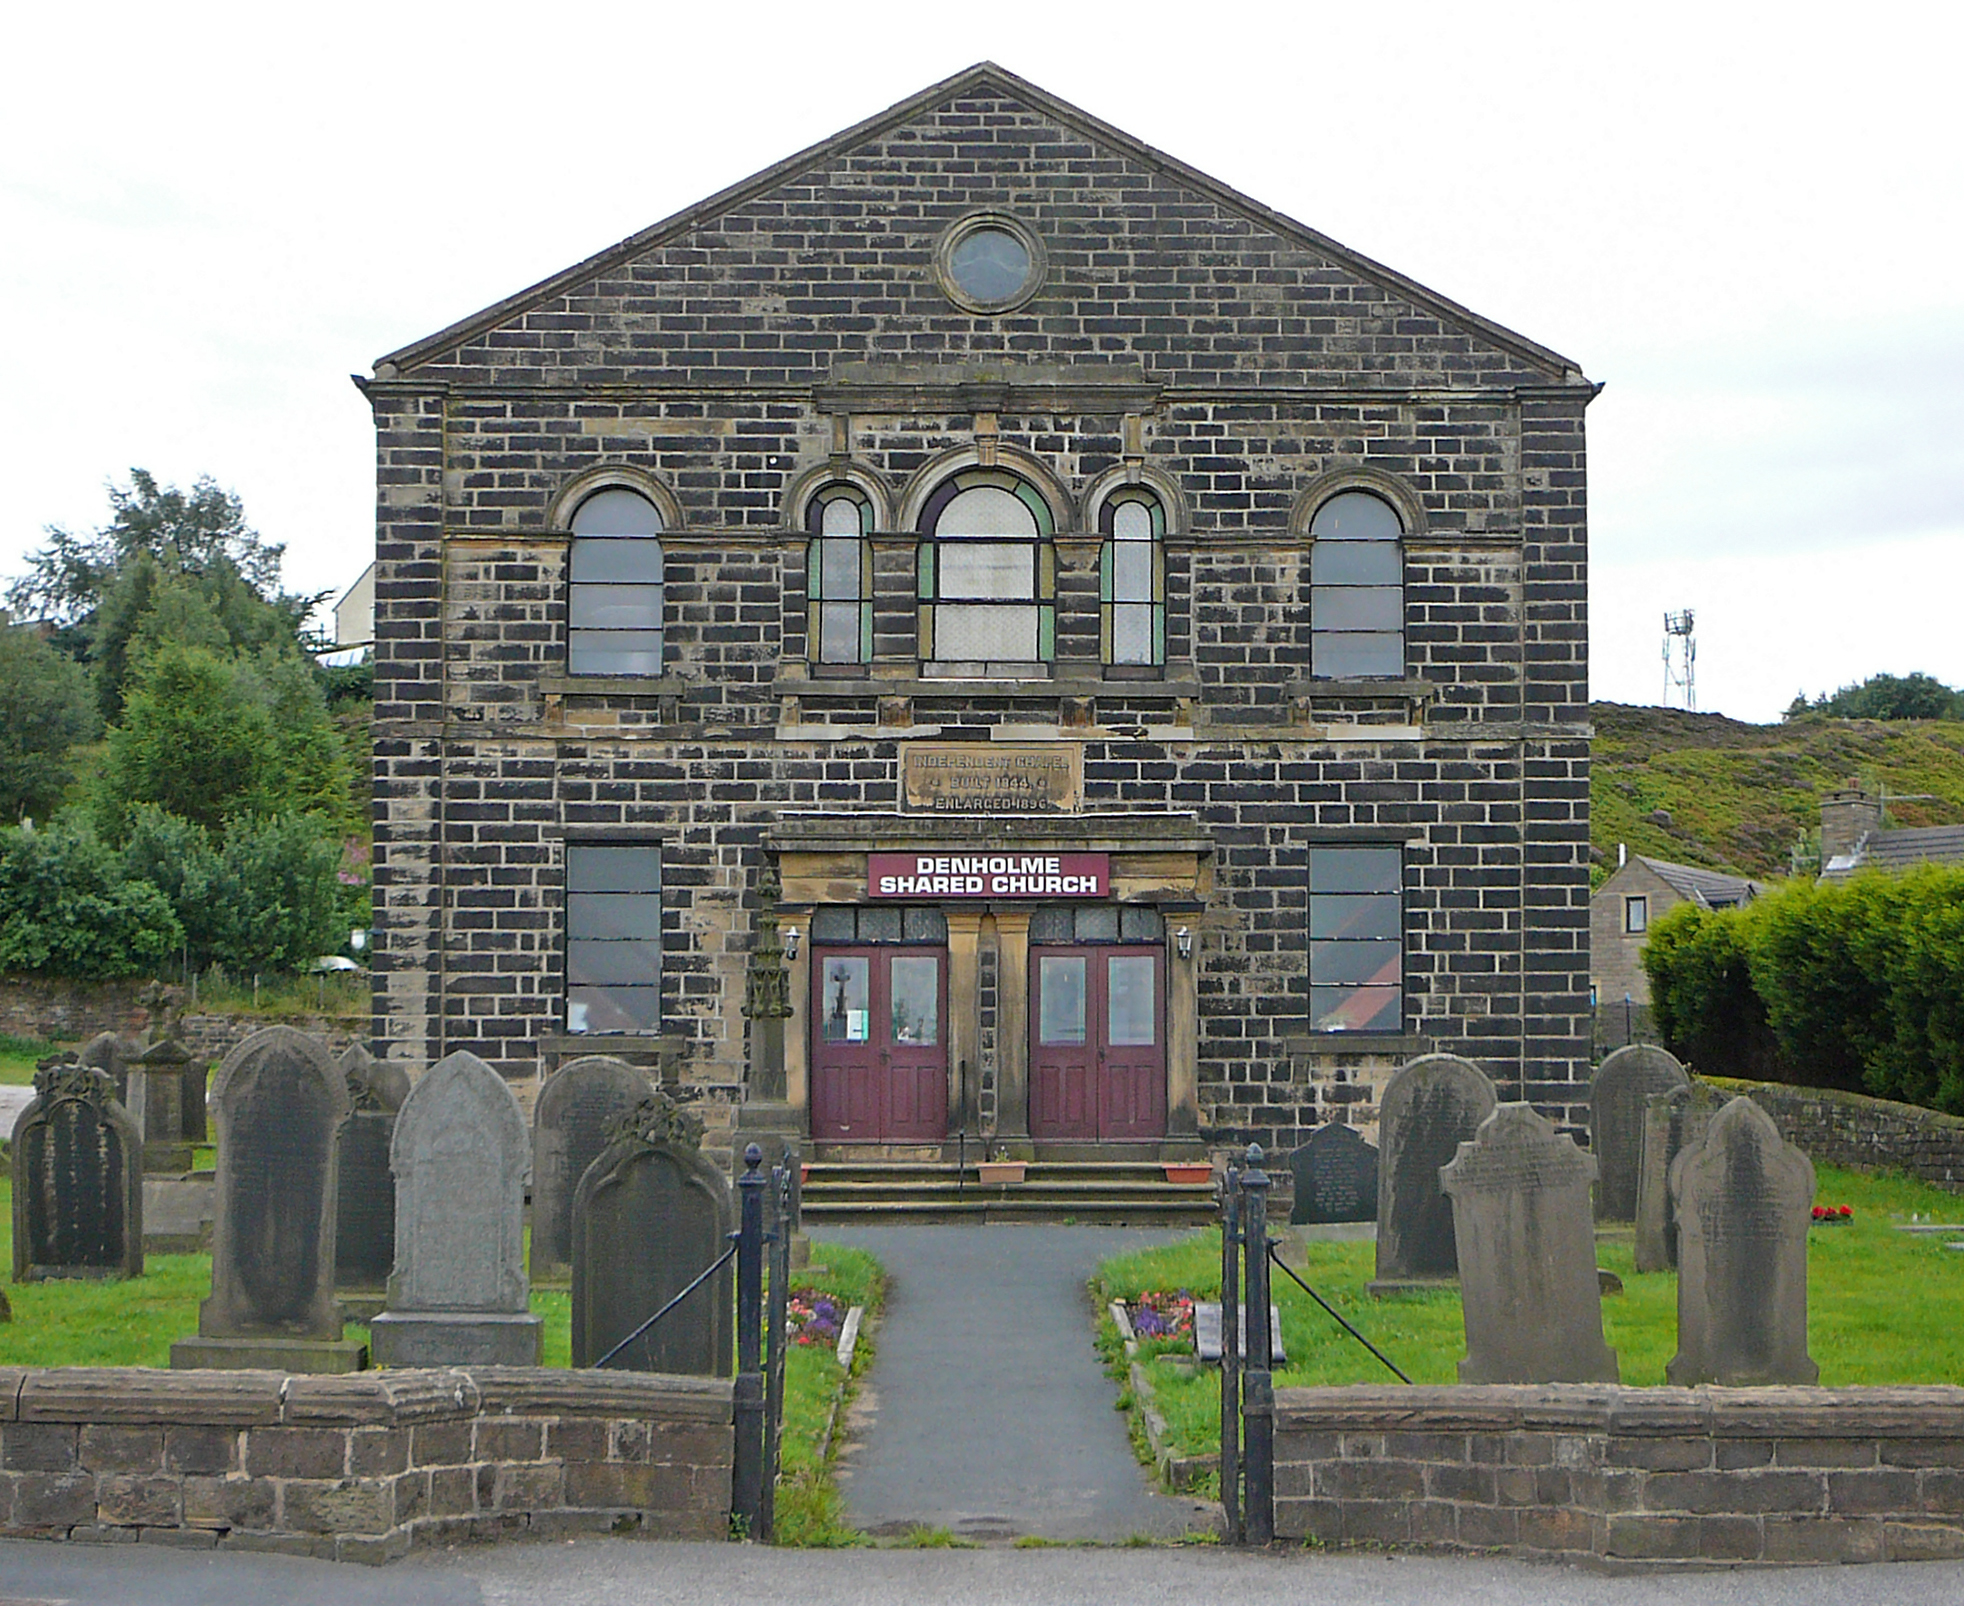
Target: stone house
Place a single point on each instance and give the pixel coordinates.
(1625, 907)
(1125, 650)
(1853, 837)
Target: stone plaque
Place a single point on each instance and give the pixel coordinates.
(461, 1157)
(1207, 1332)
(992, 777)
(281, 1102)
(1433, 1105)
(1617, 1095)
(1336, 1177)
(1673, 1121)
(1742, 1196)
(1526, 1240)
(569, 1129)
(650, 1214)
(78, 1178)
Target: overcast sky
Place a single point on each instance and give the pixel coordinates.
(1745, 220)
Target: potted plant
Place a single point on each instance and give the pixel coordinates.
(1001, 1170)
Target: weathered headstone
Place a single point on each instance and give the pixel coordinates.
(1336, 1177)
(461, 1157)
(569, 1129)
(1617, 1094)
(1743, 1198)
(1207, 1332)
(78, 1178)
(1433, 1105)
(1527, 1254)
(650, 1215)
(157, 1079)
(1673, 1121)
(281, 1103)
(365, 1212)
(109, 1054)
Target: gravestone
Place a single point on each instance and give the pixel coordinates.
(1673, 1121)
(461, 1157)
(1743, 1198)
(281, 1102)
(78, 1178)
(1433, 1105)
(651, 1213)
(365, 1210)
(1336, 1177)
(569, 1129)
(1527, 1254)
(1617, 1096)
(1207, 1333)
(157, 1079)
(109, 1054)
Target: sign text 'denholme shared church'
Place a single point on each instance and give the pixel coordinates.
(988, 875)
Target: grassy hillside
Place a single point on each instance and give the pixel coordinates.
(1739, 795)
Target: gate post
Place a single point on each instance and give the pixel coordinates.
(1231, 1353)
(1257, 1391)
(747, 1472)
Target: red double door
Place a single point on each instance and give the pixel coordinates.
(1097, 1043)
(879, 1045)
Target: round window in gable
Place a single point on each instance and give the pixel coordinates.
(989, 262)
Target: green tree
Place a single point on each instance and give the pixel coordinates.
(45, 710)
(1914, 696)
(1702, 994)
(67, 909)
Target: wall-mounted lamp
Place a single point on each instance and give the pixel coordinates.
(1184, 939)
(790, 942)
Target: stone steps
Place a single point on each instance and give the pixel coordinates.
(1105, 1193)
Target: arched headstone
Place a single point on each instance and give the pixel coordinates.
(1528, 1288)
(569, 1129)
(365, 1218)
(1673, 1120)
(461, 1157)
(650, 1214)
(1617, 1096)
(281, 1101)
(1433, 1105)
(1336, 1177)
(1744, 1199)
(78, 1178)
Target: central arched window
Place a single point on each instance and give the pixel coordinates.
(1132, 578)
(614, 603)
(839, 575)
(987, 576)
(1356, 589)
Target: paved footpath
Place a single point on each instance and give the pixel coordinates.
(987, 1412)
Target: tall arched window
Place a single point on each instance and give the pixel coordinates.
(1356, 589)
(987, 576)
(839, 575)
(1132, 578)
(614, 611)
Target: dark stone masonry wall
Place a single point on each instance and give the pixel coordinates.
(1867, 1134)
(1634, 1477)
(360, 1468)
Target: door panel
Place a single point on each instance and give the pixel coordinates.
(879, 1055)
(1097, 1051)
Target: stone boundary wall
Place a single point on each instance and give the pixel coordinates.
(1867, 1134)
(362, 1467)
(1625, 1476)
(74, 1011)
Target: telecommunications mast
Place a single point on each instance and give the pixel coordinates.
(1680, 659)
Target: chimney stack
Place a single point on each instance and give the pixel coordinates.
(1848, 814)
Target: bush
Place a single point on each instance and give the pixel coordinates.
(45, 709)
(68, 909)
(1702, 995)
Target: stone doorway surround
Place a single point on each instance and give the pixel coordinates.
(1163, 861)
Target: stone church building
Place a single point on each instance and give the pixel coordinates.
(1125, 650)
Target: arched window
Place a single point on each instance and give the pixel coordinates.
(839, 575)
(987, 576)
(1356, 589)
(1132, 578)
(614, 611)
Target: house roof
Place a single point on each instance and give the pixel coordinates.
(1710, 889)
(1898, 848)
(984, 76)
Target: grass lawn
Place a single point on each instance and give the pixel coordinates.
(17, 1057)
(1882, 1307)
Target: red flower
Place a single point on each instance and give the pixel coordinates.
(1847, 1211)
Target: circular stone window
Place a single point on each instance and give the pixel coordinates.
(989, 262)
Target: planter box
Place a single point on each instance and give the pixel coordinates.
(991, 1172)
(1197, 1172)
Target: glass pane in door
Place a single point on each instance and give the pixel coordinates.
(1131, 1009)
(845, 1005)
(1060, 1000)
(916, 988)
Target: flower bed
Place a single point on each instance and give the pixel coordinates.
(1159, 1314)
(812, 1316)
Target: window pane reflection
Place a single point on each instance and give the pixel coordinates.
(1131, 1008)
(916, 986)
(1060, 991)
(846, 999)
